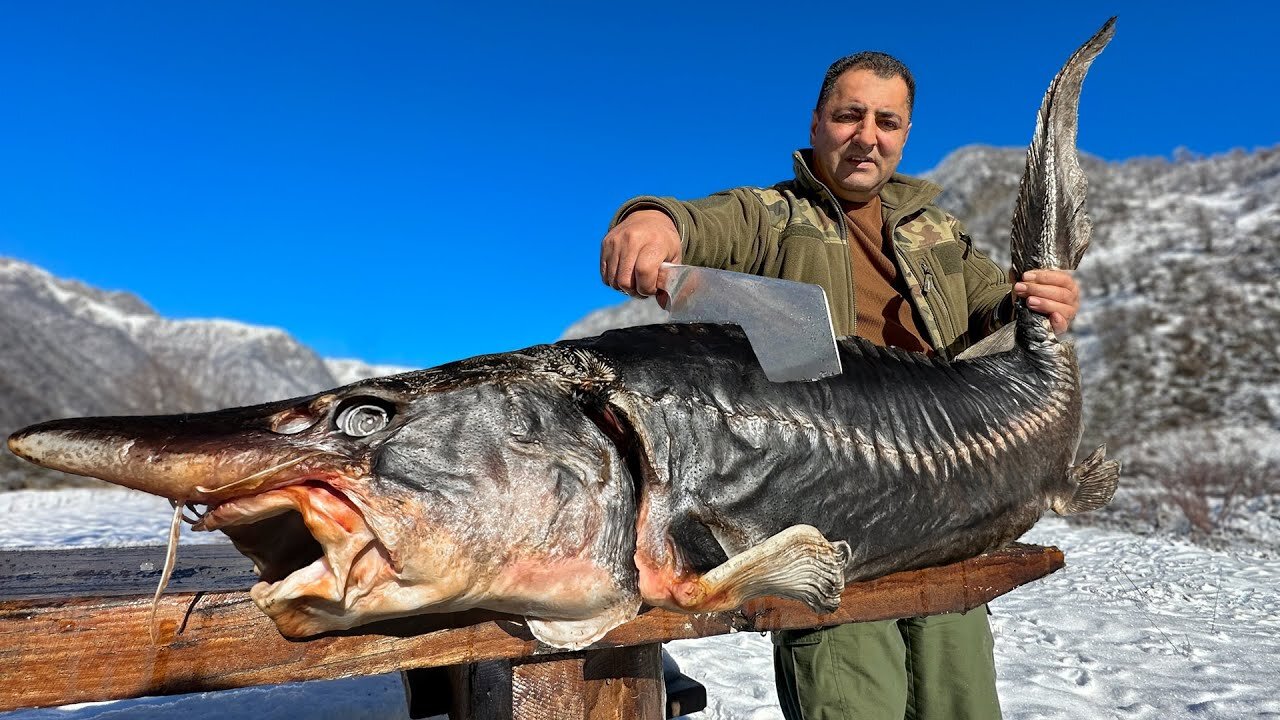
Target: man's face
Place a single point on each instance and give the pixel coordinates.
(858, 134)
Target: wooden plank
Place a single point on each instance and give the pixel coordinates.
(115, 571)
(481, 690)
(55, 651)
(548, 688)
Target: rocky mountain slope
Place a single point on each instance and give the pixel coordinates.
(68, 349)
(1180, 325)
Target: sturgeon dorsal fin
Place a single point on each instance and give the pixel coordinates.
(1050, 226)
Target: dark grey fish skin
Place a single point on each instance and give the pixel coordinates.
(571, 483)
(911, 460)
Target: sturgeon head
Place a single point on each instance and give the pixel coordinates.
(480, 484)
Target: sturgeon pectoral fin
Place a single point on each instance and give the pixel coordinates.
(577, 634)
(797, 563)
(1095, 480)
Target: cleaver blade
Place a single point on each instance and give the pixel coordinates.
(788, 323)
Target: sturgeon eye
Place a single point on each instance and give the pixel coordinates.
(362, 420)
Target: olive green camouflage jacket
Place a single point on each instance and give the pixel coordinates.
(796, 230)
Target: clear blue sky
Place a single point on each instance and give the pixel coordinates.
(417, 182)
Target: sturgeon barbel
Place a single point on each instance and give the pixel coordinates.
(572, 483)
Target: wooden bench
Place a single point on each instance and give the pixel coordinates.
(74, 628)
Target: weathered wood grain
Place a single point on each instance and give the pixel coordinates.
(114, 571)
(623, 683)
(62, 650)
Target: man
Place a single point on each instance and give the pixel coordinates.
(898, 271)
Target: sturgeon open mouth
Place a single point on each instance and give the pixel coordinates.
(307, 540)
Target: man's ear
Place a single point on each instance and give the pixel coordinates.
(813, 128)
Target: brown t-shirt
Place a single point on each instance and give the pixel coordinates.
(884, 315)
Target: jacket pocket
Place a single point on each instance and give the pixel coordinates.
(944, 293)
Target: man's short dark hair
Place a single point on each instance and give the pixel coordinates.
(884, 65)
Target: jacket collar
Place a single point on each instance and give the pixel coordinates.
(903, 195)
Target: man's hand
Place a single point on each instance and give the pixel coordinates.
(634, 250)
(1053, 293)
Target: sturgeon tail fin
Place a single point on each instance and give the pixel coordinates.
(1095, 482)
(1050, 226)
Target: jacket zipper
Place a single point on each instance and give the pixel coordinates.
(848, 263)
(927, 286)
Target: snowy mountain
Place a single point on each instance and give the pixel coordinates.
(626, 314)
(67, 349)
(348, 370)
(1179, 330)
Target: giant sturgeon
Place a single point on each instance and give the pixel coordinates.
(572, 483)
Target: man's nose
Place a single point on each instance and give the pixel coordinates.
(866, 135)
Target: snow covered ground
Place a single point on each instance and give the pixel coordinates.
(1134, 627)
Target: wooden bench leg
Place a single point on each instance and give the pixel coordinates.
(607, 684)
(625, 683)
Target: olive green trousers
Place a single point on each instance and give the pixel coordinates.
(930, 668)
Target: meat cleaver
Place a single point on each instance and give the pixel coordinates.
(787, 322)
